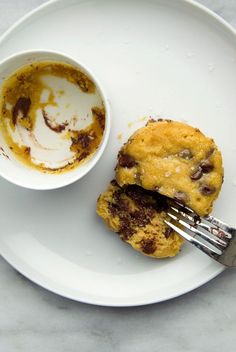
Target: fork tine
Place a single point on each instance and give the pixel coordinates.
(189, 210)
(221, 230)
(218, 237)
(217, 231)
(184, 214)
(213, 240)
(212, 252)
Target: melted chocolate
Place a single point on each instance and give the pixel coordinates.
(126, 231)
(147, 204)
(148, 246)
(140, 217)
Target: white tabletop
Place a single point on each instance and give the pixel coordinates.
(33, 319)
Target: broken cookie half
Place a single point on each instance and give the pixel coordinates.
(138, 217)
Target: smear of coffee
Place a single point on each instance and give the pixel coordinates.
(56, 128)
(22, 106)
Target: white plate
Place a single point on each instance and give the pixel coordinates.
(169, 58)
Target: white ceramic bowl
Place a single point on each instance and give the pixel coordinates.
(15, 171)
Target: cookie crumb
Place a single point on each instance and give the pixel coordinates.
(119, 136)
(142, 119)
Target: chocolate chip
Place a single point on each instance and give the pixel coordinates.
(166, 120)
(181, 197)
(206, 166)
(126, 226)
(168, 232)
(148, 246)
(186, 154)
(126, 160)
(22, 105)
(151, 120)
(197, 174)
(207, 190)
(114, 183)
(126, 231)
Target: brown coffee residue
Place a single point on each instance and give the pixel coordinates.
(21, 99)
(56, 128)
(21, 109)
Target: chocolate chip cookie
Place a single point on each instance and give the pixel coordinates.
(138, 217)
(175, 160)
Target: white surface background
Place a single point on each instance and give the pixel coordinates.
(32, 319)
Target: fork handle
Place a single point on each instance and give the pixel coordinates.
(228, 257)
(219, 224)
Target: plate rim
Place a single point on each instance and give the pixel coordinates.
(101, 302)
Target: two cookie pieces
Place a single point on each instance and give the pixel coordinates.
(161, 161)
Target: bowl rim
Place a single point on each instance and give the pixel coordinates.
(62, 57)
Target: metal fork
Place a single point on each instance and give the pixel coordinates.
(210, 235)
